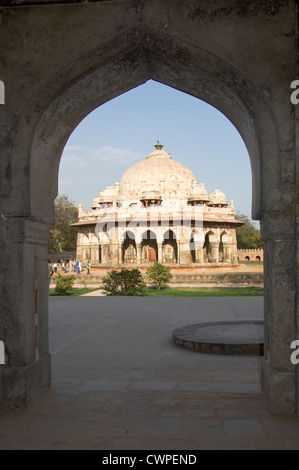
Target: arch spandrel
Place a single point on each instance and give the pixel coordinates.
(198, 73)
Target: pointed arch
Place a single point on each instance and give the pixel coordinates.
(149, 247)
(129, 251)
(42, 117)
(169, 247)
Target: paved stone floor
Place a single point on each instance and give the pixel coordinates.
(119, 383)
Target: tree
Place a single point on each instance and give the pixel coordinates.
(124, 282)
(159, 274)
(64, 284)
(62, 236)
(248, 237)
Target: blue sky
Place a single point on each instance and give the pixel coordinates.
(123, 131)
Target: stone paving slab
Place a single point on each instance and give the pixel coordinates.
(119, 383)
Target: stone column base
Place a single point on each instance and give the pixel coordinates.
(278, 389)
(22, 385)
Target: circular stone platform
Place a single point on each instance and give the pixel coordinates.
(230, 337)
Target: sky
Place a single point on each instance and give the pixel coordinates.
(124, 131)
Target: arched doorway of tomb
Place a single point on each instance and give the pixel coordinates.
(224, 247)
(129, 254)
(91, 80)
(196, 247)
(207, 248)
(169, 247)
(149, 247)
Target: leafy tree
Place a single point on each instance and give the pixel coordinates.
(62, 236)
(159, 274)
(64, 284)
(124, 282)
(248, 237)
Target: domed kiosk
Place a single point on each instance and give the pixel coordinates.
(158, 212)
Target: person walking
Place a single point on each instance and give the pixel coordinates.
(77, 267)
(71, 265)
(55, 268)
(88, 267)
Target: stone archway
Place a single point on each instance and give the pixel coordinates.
(190, 49)
(129, 252)
(211, 247)
(225, 247)
(149, 247)
(169, 247)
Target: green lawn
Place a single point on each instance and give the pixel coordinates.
(253, 264)
(184, 291)
(205, 291)
(75, 291)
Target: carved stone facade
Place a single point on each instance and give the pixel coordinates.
(158, 212)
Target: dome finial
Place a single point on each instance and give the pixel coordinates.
(158, 145)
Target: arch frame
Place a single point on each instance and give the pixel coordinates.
(54, 97)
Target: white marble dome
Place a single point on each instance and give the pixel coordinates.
(158, 174)
(217, 197)
(199, 192)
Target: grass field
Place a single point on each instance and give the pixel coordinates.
(75, 291)
(186, 291)
(205, 291)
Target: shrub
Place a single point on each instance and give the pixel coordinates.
(64, 284)
(124, 282)
(159, 274)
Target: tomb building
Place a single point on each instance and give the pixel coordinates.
(158, 212)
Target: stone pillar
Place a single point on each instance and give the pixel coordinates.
(83, 257)
(196, 251)
(113, 253)
(138, 253)
(24, 316)
(105, 253)
(160, 252)
(178, 251)
(94, 258)
(278, 373)
(120, 253)
(184, 252)
(215, 252)
(234, 249)
(226, 253)
(201, 255)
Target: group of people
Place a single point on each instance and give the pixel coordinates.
(52, 268)
(78, 267)
(71, 265)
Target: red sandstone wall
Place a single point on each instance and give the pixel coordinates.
(251, 255)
